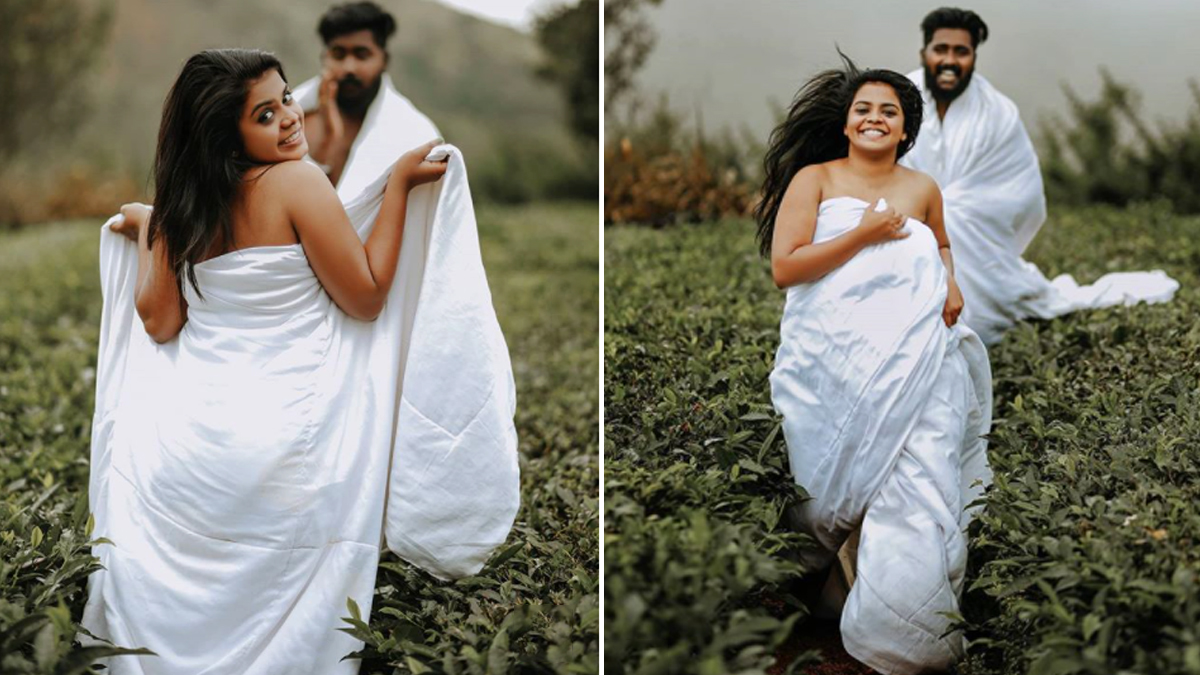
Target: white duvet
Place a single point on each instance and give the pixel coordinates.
(248, 470)
(981, 157)
(884, 409)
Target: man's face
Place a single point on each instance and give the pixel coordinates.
(949, 61)
(357, 63)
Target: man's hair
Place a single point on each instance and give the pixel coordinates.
(953, 17)
(355, 16)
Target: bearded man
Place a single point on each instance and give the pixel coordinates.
(973, 143)
(356, 122)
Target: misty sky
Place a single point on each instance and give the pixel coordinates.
(729, 59)
(515, 13)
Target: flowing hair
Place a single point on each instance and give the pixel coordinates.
(812, 132)
(200, 159)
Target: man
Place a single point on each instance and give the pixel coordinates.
(356, 122)
(974, 145)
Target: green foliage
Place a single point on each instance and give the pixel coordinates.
(34, 78)
(569, 35)
(534, 608)
(475, 79)
(1109, 154)
(48, 328)
(1085, 559)
(697, 558)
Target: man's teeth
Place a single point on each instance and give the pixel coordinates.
(947, 76)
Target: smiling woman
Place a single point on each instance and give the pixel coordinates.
(884, 395)
(271, 129)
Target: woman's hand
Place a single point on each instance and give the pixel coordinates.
(412, 169)
(878, 227)
(134, 218)
(954, 303)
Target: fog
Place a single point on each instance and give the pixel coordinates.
(729, 60)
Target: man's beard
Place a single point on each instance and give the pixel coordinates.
(947, 95)
(356, 101)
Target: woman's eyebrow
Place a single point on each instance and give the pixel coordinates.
(267, 102)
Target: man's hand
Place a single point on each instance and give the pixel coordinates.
(954, 304)
(332, 127)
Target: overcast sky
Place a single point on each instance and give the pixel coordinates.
(729, 59)
(516, 13)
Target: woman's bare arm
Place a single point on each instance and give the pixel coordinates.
(357, 275)
(156, 293)
(936, 222)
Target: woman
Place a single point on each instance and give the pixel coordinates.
(884, 396)
(240, 459)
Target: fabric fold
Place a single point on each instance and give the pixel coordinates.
(884, 413)
(994, 205)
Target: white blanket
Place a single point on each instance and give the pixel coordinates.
(884, 409)
(981, 157)
(246, 470)
(392, 126)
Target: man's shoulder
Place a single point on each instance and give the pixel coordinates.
(993, 98)
(399, 104)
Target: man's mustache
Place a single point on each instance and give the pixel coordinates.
(351, 81)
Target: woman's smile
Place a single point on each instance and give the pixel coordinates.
(296, 137)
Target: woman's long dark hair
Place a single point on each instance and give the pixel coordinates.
(812, 132)
(200, 159)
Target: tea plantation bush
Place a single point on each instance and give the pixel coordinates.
(697, 558)
(1085, 558)
(534, 608)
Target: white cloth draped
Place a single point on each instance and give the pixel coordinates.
(984, 162)
(391, 127)
(884, 409)
(247, 470)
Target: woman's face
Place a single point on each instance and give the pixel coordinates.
(876, 120)
(272, 122)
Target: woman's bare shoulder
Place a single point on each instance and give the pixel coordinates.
(813, 176)
(918, 181)
(294, 180)
(290, 172)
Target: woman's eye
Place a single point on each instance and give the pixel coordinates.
(266, 117)
(287, 98)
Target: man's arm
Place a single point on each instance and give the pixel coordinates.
(328, 142)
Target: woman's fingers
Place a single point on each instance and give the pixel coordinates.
(427, 172)
(428, 147)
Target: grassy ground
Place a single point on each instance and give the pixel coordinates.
(1085, 559)
(536, 610)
